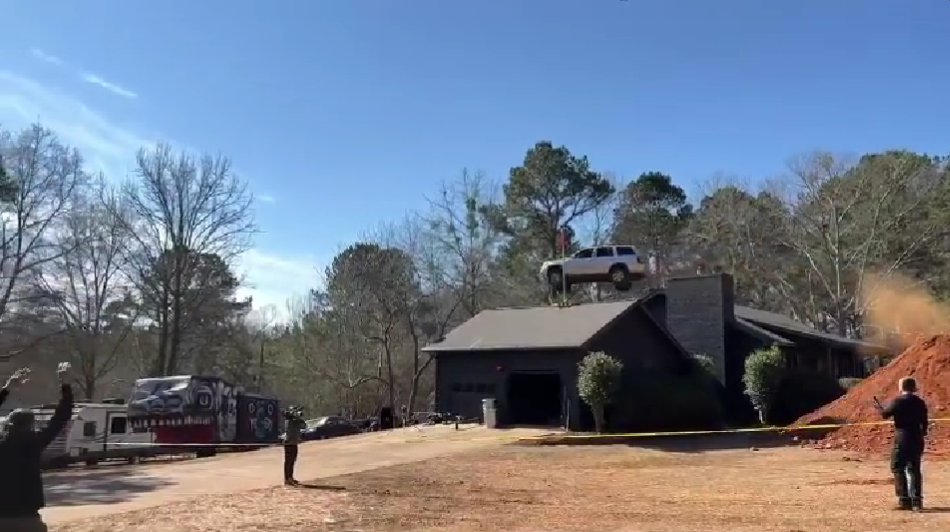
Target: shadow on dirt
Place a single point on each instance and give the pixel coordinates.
(679, 443)
(324, 487)
(98, 486)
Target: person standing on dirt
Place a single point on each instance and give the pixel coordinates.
(295, 425)
(21, 450)
(910, 427)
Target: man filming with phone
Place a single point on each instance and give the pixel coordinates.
(909, 413)
(21, 450)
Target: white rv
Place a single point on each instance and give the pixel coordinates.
(95, 432)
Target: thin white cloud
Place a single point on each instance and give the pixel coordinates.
(107, 146)
(266, 198)
(110, 147)
(111, 87)
(45, 57)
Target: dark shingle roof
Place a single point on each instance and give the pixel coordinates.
(788, 325)
(533, 327)
(755, 330)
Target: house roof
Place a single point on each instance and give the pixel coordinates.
(784, 324)
(764, 334)
(523, 328)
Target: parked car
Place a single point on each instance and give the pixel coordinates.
(328, 427)
(615, 264)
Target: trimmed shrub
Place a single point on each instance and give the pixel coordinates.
(598, 381)
(764, 370)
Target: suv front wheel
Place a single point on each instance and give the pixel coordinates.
(620, 277)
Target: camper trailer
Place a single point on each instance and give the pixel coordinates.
(95, 432)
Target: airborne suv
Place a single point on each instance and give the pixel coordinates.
(603, 264)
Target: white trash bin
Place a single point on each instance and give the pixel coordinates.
(490, 413)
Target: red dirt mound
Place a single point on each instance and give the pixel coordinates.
(928, 361)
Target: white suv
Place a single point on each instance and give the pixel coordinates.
(603, 264)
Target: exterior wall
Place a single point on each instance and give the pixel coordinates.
(491, 369)
(698, 311)
(634, 340)
(815, 355)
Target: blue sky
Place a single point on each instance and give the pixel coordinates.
(343, 113)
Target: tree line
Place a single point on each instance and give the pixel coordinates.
(155, 294)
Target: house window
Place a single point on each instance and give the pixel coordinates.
(468, 387)
(119, 425)
(457, 387)
(89, 429)
(490, 389)
(481, 388)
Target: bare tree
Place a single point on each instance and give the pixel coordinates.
(441, 288)
(851, 219)
(85, 287)
(331, 357)
(460, 244)
(260, 324)
(737, 228)
(38, 178)
(184, 211)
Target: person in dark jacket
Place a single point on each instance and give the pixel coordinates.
(909, 413)
(21, 449)
(292, 436)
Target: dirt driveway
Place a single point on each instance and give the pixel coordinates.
(117, 488)
(578, 489)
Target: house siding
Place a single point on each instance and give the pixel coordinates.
(633, 339)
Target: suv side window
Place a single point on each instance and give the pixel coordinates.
(605, 252)
(584, 254)
(625, 251)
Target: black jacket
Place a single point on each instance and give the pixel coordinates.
(21, 477)
(910, 418)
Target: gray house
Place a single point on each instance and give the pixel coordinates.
(526, 358)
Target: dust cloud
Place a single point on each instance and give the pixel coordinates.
(903, 306)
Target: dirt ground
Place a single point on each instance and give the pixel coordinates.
(107, 489)
(581, 488)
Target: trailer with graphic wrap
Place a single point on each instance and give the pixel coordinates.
(199, 414)
(95, 432)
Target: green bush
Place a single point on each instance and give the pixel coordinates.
(847, 383)
(764, 370)
(598, 382)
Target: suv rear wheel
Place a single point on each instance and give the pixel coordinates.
(619, 274)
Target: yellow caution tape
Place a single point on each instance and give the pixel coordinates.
(789, 428)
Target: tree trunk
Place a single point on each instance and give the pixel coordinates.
(762, 415)
(390, 374)
(598, 411)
